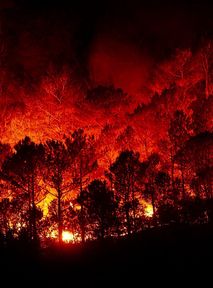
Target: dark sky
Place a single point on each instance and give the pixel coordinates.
(66, 32)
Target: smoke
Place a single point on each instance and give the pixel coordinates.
(119, 63)
(117, 44)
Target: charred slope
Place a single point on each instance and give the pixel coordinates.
(155, 255)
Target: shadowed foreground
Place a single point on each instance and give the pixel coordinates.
(157, 255)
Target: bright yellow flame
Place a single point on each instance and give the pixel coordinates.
(44, 204)
(148, 210)
(53, 234)
(67, 237)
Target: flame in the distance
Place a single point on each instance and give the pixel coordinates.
(68, 237)
(148, 210)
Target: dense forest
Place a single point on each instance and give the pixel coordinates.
(133, 167)
(106, 142)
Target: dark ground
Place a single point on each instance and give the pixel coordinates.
(177, 256)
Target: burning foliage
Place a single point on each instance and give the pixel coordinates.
(92, 155)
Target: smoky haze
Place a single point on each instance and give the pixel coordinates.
(54, 54)
(97, 37)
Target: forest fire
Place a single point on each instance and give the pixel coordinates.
(140, 151)
(98, 145)
(68, 237)
(149, 210)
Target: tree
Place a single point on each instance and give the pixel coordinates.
(57, 176)
(192, 210)
(197, 155)
(206, 54)
(4, 215)
(21, 170)
(68, 164)
(101, 208)
(162, 183)
(82, 200)
(168, 213)
(125, 173)
(202, 109)
(5, 151)
(148, 173)
(127, 139)
(14, 214)
(84, 163)
(179, 132)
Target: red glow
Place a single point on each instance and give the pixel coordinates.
(157, 118)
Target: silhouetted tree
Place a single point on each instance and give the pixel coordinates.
(83, 164)
(197, 154)
(168, 213)
(125, 172)
(162, 182)
(5, 151)
(4, 215)
(149, 172)
(57, 175)
(192, 210)
(206, 60)
(179, 132)
(21, 170)
(101, 208)
(202, 109)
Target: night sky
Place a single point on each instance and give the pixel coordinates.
(99, 37)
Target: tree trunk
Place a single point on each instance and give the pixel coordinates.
(183, 183)
(127, 196)
(207, 87)
(206, 72)
(172, 175)
(30, 211)
(59, 217)
(102, 230)
(146, 150)
(34, 226)
(128, 221)
(82, 224)
(153, 204)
